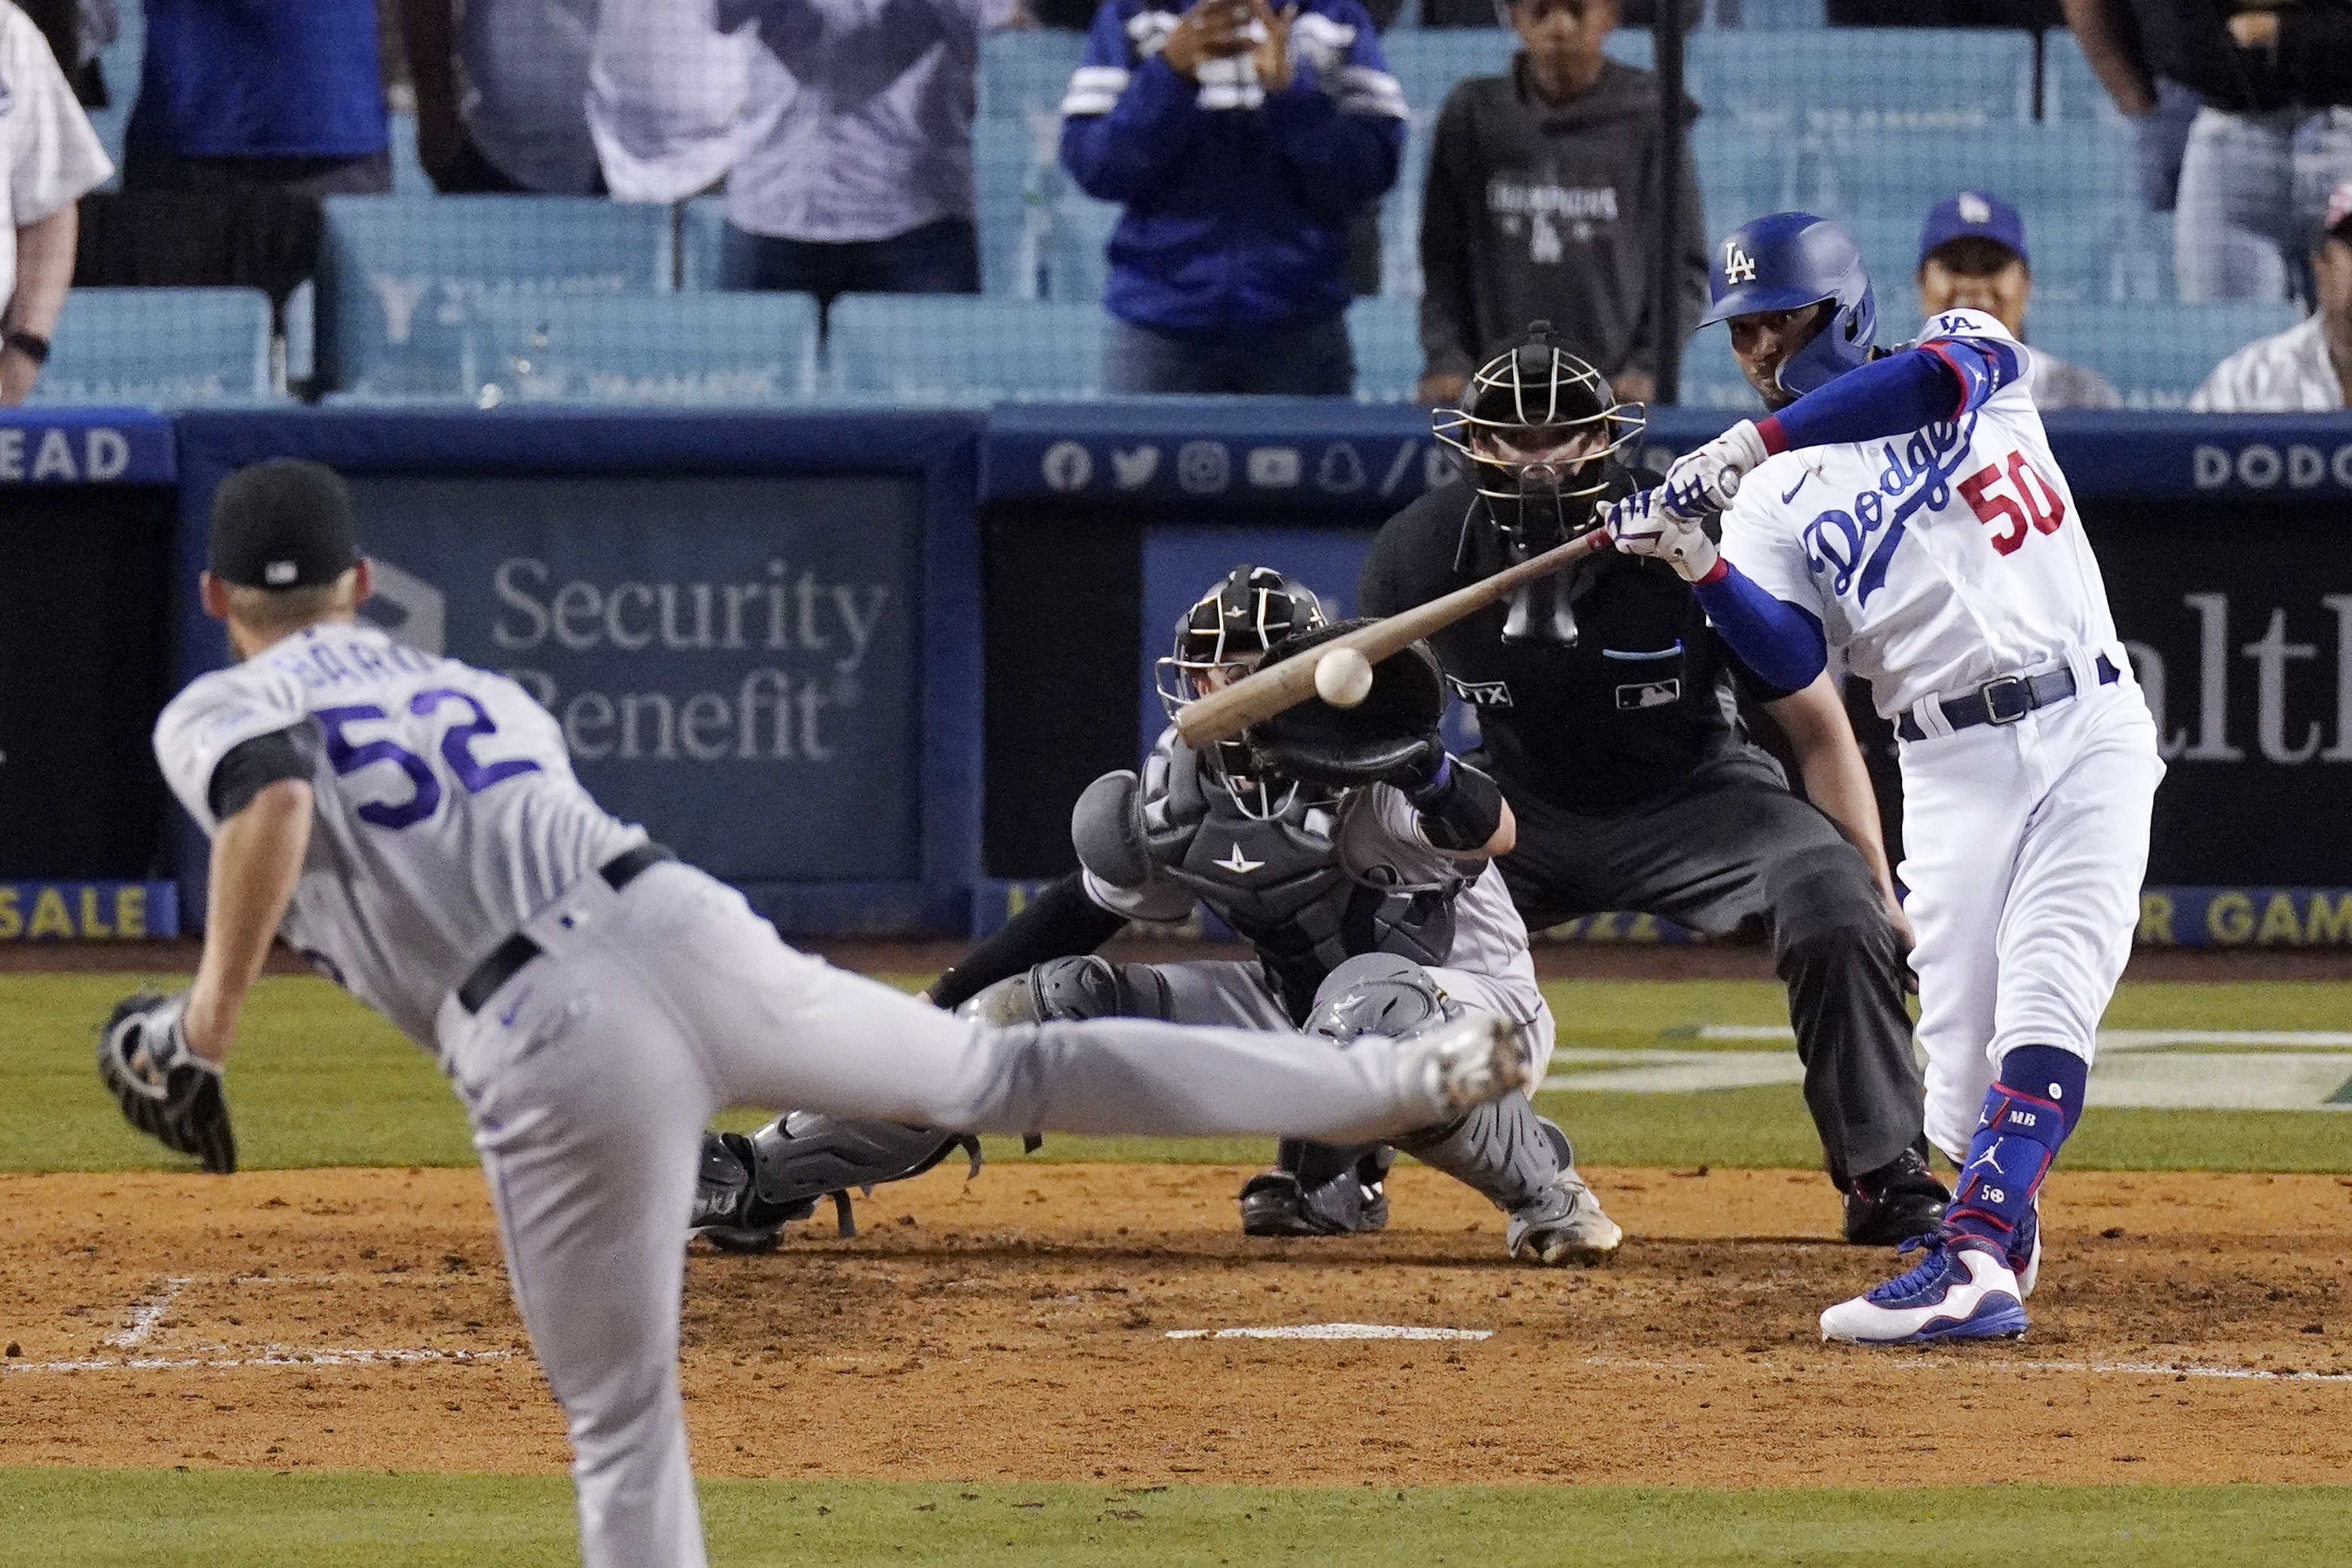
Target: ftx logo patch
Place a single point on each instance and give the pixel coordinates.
(1638, 695)
(1482, 693)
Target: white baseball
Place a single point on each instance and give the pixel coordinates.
(1343, 678)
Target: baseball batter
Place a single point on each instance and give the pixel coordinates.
(1904, 509)
(1369, 891)
(413, 824)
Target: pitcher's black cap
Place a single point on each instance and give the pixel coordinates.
(285, 523)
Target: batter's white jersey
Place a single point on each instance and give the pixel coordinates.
(446, 811)
(1937, 561)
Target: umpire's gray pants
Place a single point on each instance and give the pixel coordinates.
(1728, 846)
(2253, 192)
(590, 1074)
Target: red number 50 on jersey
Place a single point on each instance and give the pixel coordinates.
(2045, 510)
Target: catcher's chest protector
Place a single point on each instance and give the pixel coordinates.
(1310, 888)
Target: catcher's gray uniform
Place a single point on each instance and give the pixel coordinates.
(594, 1002)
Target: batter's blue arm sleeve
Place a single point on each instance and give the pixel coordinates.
(1934, 382)
(1781, 642)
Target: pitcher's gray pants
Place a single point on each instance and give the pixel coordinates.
(590, 1074)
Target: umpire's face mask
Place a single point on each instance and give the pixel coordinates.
(1549, 477)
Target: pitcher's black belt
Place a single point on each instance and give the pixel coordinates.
(2005, 700)
(519, 949)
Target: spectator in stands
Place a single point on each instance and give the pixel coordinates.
(519, 122)
(665, 87)
(2137, 74)
(2308, 368)
(48, 157)
(2273, 137)
(1241, 143)
(1542, 204)
(1972, 257)
(853, 164)
(286, 96)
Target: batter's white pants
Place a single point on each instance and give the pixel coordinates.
(2023, 847)
(590, 1074)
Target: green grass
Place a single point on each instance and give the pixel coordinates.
(95, 1518)
(317, 1080)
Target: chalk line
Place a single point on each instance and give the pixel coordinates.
(1330, 1331)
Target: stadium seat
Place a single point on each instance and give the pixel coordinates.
(171, 348)
(2155, 352)
(702, 244)
(962, 348)
(1710, 376)
(398, 279)
(1077, 263)
(1386, 336)
(1427, 62)
(676, 350)
(1782, 14)
(408, 175)
(1862, 79)
(1026, 72)
(2070, 89)
(1015, 179)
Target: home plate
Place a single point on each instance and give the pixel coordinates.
(1330, 1331)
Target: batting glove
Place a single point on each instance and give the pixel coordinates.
(1707, 479)
(1644, 525)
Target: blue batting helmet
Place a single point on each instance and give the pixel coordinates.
(1785, 262)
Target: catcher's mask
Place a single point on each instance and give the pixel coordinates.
(1347, 748)
(1222, 638)
(1540, 429)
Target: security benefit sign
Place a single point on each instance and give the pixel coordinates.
(733, 660)
(2239, 622)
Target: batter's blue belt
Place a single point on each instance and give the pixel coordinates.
(2003, 701)
(519, 949)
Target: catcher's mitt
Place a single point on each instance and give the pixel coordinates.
(1392, 731)
(165, 1089)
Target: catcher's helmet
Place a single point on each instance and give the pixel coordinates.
(1785, 262)
(1220, 639)
(1538, 426)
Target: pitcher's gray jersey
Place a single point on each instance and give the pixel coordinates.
(446, 812)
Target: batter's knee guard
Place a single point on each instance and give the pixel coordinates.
(1088, 986)
(1524, 1165)
(754, 1186)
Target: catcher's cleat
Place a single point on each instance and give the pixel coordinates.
(1901, 1199)
(724, 1200)
(1963, 1289)
(1562, 1223)
(1275, 1203)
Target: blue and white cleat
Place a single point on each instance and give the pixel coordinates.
(1963, 1289)
(2025, 1250)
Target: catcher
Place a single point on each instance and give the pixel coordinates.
(1350, 849)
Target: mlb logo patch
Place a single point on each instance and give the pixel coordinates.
(1634, 698)
(1482, 693)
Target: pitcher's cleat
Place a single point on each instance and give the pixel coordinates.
(1963, 1289)
(1563, 1224)
(1468, 1061)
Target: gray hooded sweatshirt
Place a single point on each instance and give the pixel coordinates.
(1534, 212)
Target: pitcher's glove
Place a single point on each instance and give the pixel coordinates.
(165, 1089)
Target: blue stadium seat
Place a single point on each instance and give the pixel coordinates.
(2069, 89)
(963, 348)
(172, 348)
(2154, 352)
(1077, 265)
(1427, 62)
(398, 279)
(702, 244)
(1710, 376)
(408, 175)
(1015, 179)
(1386, 335)
(1862, 79)
(1783, 14)
(675, 349)
(1025, 72)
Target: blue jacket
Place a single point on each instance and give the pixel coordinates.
(1237, 199)
(260, 78)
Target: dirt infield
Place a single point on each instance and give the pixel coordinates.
(2190, 1328)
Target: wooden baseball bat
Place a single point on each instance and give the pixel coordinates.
(1221, 715)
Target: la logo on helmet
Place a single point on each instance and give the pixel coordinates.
(1737, 265)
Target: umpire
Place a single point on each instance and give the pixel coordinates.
(1609, 711)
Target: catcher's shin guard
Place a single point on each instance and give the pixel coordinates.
(1067, 989)
(752, 1187)
(1522, 1164)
